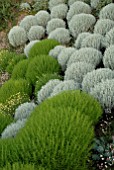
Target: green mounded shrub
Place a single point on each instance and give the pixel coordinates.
(103, 26)
(36, 33)
(109, 38)
(5, 119)
(96, 76)
(41, 81)
(78, 7)
(53, 3)
(17, 36)
(81, 23)
(20, 69)
(19, 166)
(12, 87)
(41, 64)
(107, 12)
(59, 11)
(42, 48)
(56, 51)
(108, 59)
(40, 5)
(42, 18)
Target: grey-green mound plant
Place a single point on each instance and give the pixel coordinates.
(55, 23)
(27, 22)
(29, 46)
(107, 12)
(12, 129)
(80, 38)
(94, 3)
(17, 36)
(24, 110)
(88, 55)
(25, 6)
(46, 90)
(81, 23)
(70, 2)
(56, 51)
(65, 85)
(64, 56)
(36, 33)
(109, 38)
(96, 76)
(40, 5)
(94, 41)
(108, 59)
(77, 71)
(59, 11)
(62, 35)
(103, 26)
(78, 7)
(42, 18)
(104, 93)
(53, 3)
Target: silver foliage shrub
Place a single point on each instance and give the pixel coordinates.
(80, 38)
(42, 18)
(109, 38)
(94, 41)
(36, 33)
(70, 2)
(59, 11)
(88, 55)
(27, 22)
(77, 8)
(64, 56)
(56, 51)
(65, 85)
(104, 93)
(55, 23)
(94, 3)
(107, 12)
(29, 46)
(62, 35)
(77, 71)
(24, 110)
(25, 6)
(108, 59)
(96, 76)
(103, 26)
(12, 129)
(46, 90)
(81, 23)
(17, 36)
(53, 3)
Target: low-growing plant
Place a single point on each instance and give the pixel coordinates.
(59, 11)
(107, 12)
(56, 51)
(70, 2)
(108, 59)
(53, 3)
(42, 18)
(36, 33)
(25, 6)
(29, 46)
(109, 38)
(40, 5)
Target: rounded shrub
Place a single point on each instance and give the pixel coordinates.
(29, 46)
(107, 12)
(88, 55)
(62, 35)
(17, 36)
(46, 90)
(109, 38)
(42, 48)
(108, 59)
(94, 41)
(55, 23)
(20, 69)
(99, 4)
(24, 110)
(64, 56)
(59, 11)
(41, 81)
(80, 38)
(70, 2)
(103, 26)
(42, 18)
(77, 71)
(28, 21)
(24, 6)
(53, 3)
(65, 85)
(78, 7)
(36, 33)
(56, 51)
(81, 23)
(104, 93)
(41, 64)
(96, 76)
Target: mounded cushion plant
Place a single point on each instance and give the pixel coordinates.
(56, 51)
(29, 46)
(42, 18)
(109, 38)
(108, 59)
(53, 3)
(70, 2)
(36, 33)
(59, 11)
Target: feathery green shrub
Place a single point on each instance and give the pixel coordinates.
(42, 18)
(36, 33)
(56, 51)
(107, 12)
(59, 11)
(108, 59)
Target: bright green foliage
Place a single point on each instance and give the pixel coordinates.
(59, 11)
(12, 87)
(20, 69)
(107, 12)
(29, 46)
(19, 166)
(108, 59)
(42, 18)
(5, 119)
(40, 5)
(42, 48)
(43, 80)
(36, 33)
(41, 64)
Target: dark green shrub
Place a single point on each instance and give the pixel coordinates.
(39, 65)
(12, 87)
(42, 48)
(20, 69)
